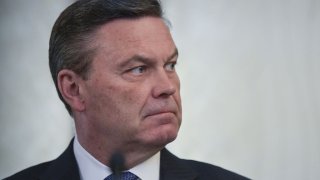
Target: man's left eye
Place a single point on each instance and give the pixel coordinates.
(170, 66)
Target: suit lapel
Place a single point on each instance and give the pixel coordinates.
(171, 167)
(64, 167)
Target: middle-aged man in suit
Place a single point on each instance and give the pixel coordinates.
(113, 64)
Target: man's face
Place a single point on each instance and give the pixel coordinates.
(132, 93)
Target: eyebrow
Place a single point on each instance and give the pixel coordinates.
(146, 60)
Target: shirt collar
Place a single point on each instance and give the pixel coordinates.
(90, 168)
(149, 169)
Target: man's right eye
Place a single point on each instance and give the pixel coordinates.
(138, 70)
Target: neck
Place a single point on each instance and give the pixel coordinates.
(102, 148)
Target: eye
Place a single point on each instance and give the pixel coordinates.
(138, 70)
(170, 66)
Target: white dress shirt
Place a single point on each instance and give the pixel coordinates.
(90, 168)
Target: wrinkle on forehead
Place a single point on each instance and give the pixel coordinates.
(141, 36)
(117, 30)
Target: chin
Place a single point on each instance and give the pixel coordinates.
(163, 137)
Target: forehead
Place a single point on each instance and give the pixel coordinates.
(141, 35)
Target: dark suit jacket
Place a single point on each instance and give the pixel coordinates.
(171, 168)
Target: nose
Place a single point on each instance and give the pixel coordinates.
(164, 85)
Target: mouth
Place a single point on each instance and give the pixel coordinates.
(161, 118)
(160, 113)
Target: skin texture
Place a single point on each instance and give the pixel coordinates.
(130, 101)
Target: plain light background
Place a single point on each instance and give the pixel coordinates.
(250, 74)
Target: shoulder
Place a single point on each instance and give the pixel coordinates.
(170, 165)
(209, 171)
(30, 173)
(64, 167)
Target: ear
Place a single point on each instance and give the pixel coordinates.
(69, 87)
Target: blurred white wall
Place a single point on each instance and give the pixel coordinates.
(34, 127)
(250, 73)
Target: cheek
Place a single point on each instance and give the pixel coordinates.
(125, 101)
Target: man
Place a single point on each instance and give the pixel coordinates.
(113, 64)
